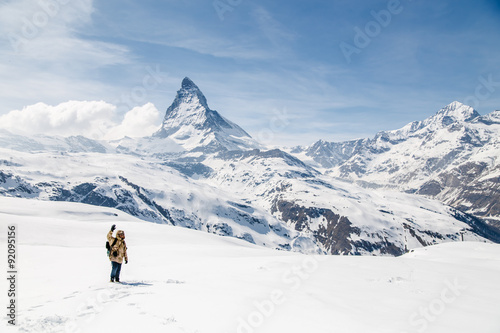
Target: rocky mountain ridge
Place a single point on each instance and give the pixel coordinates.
(452, 156)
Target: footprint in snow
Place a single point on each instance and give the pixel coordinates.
(44, 324)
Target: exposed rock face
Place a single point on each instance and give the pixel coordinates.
(334, 233)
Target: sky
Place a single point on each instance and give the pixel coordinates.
(288, 72)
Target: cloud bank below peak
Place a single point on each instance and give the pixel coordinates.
(98, 120)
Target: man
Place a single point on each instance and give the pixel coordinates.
(117, 253)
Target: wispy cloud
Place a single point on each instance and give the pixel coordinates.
(212, 45)
(25, 22)
(274, 30)
(44, 56)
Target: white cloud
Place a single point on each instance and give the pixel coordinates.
(93, 119)
(138, 122)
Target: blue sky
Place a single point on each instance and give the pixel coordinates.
(288, 72)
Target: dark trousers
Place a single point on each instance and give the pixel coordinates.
(115, 270)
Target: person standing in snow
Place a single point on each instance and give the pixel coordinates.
(118, 252)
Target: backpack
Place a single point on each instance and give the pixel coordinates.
(109, 247)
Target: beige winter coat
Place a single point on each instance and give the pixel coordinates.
(120, 247)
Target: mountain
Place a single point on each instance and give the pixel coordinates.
(203, 172)
(324, 154)
(39, 143)
(192, 124)
(452, 156)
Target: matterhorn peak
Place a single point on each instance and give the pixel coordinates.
(187, 83)
(191, 123)
(190, 94)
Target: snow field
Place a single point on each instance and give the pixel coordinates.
(181, 280)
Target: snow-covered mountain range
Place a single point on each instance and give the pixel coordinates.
(202, 171)
(453, 156)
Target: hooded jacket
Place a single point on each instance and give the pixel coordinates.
(120, 248)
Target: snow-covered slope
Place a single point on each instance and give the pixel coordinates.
(342, 217)
(39, 143)
(151, 189)
(181, 280)
(266, 198)
(452, 156)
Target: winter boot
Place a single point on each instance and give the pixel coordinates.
(112, 280)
